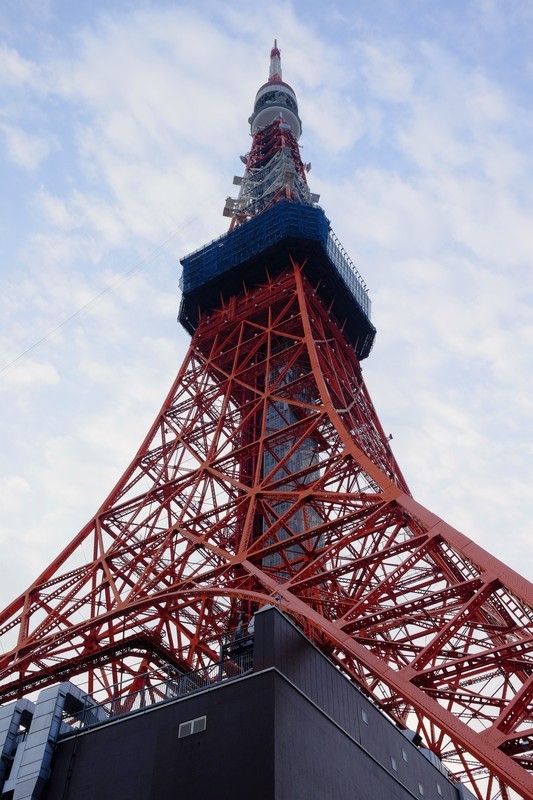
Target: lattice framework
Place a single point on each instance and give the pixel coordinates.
(267, 477)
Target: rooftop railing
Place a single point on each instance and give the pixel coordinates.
(236, 661)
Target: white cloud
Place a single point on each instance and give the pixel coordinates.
(54, 210)
(388, 75)
(14, 69)
(24, 149)
(30, 374)
(423, 163)
(342, 123)
(12, 489)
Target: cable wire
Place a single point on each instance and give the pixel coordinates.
(106, 290)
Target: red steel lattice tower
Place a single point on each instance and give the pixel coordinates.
(267, 478)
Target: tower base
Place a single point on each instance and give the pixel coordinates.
(291, 727)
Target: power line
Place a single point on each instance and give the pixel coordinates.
(97, 297)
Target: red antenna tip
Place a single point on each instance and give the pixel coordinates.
(275, 63)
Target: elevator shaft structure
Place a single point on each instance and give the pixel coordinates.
(267, 479)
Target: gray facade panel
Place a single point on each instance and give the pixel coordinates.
(295, 729)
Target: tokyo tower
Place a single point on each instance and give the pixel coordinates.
(267, 479)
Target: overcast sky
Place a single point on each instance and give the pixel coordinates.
(121, 127)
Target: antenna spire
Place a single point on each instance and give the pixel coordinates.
(274, 168)
(275, 64)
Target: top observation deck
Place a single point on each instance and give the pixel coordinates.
(265, 242)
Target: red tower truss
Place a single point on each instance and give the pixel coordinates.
(267, 479)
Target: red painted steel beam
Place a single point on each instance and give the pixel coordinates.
(220, 512)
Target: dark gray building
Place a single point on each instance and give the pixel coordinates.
(287, 726)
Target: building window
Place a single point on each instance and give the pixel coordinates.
(439, 790)
(364, 717)
(394, 764)
(421, 789)
(404, 755)
(192, 726)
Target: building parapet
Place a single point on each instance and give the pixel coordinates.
(236, 660)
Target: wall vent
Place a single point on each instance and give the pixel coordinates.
(192, 726)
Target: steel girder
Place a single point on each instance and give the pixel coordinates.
(274, 171)
(267, 477)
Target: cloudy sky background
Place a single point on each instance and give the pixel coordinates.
(121, 127)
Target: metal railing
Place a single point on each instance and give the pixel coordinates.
(153, 690)
(349, 273)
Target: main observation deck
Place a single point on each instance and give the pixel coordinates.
(265, 242)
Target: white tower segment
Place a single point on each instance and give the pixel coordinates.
(275, 98)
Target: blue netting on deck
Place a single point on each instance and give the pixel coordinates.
(284, 220)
